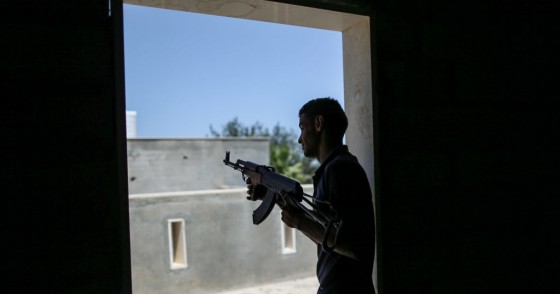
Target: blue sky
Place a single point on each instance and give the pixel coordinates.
(187, 71)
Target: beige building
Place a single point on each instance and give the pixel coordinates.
(191, 226)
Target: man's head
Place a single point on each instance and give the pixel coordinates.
(321, 120)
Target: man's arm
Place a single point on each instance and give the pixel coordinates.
(295, 218)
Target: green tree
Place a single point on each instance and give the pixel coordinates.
(235, 128)
(285, 154)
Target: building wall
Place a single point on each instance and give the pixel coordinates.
(170, 165)
(184, 179)
(224, 249)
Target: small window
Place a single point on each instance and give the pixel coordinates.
(288, 239)
(177, 243)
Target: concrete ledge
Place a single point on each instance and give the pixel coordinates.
(153, 198)
(177, 196)
(261, 10)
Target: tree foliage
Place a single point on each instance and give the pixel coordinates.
(285, 153)
(235, 128)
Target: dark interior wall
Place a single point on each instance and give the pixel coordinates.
(65, 220)
(465, 146)
(465, 161)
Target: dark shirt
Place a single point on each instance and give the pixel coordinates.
(341, 181)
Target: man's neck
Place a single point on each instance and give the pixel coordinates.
(325, 150)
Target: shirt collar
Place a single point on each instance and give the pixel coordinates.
(334, 153)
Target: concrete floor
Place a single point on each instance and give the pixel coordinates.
(299, 286)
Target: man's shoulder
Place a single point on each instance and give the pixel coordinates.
(343, 161)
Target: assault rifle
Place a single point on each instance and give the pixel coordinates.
(277, 187)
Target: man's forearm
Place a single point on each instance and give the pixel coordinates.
(316, 232)
(295, 218)
(311, 229)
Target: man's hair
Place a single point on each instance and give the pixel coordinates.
(335, 120)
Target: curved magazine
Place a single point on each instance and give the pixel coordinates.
(262, 212)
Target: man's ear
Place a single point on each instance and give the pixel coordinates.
(319, 123)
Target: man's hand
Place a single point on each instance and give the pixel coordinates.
(255, 191)
(291, 213)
